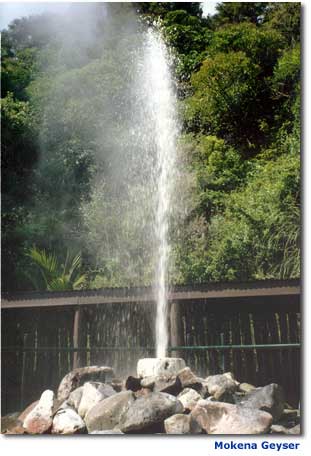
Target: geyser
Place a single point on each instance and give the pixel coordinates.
(161, 101)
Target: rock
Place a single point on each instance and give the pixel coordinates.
(93, 392)
(181, 424)
(167, 384)
(279, 429)
(221, 385)
(39, 420)
(223, 418)
(189, 398)
(12, 424)
(148, 382)
(294, 430)
(147, 367)
(79, 376)
(67, 421)
(290, 414)
(269, 398)
(74, 398)
(143, 392)
(63, 406)
(27, 410)
(111, 431)
(107, 413)
(147, 414)
(203, 389)
(188, 379)
(246, 387)
(289, 418)
(132, 383)
(15, 430)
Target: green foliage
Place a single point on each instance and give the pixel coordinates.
(236, 12)
(17, 71)
(224, 99)
(57, 277)
(285, 18)
(262, 45)
(237, 198)
(286, 89)
(16, 113)
(218, 169)
(161, 9)
(256, 236)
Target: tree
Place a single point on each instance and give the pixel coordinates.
(237, 12)
(160, 9)
(284, 17)
(226, 93)
(219, 169)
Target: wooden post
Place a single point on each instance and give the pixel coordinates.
(76, 327)
(176, 326)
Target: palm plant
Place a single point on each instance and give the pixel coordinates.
(56, 276)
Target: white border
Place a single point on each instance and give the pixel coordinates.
(202, 445)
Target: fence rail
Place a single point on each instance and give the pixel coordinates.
(250, 329)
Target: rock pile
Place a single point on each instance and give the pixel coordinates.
(165, 397)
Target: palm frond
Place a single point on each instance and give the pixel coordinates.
(47, 262)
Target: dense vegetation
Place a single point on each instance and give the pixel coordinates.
(238, 76)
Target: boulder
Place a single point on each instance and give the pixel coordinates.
(147, 367)
(67, 421)
(221, 385)
(148, 382)
(269, 398)
(143, 392)
(39, 420)
(74, 398)
(12, 424)
(147, 414)
(181, 424)
(289, 418)
(27, 410)
(203, 388)
(188, 379)
(189, 398)
(79, 376)
(107, 413)
(92, 393)
(294, 430)
(223, 418)
(167, 384)
(246, 387)
(279, 429)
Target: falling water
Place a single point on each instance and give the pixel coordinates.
(161, 102)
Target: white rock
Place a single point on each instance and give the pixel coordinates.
(181, 424)
(177, 424)
(221, 384)
(75, 397)
(67, 421)
(148, 367)
(189, 398)
(39, 420)
(92, 394)
(223, 418)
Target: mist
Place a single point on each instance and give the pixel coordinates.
(96, 142)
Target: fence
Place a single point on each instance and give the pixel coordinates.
(250, 329)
